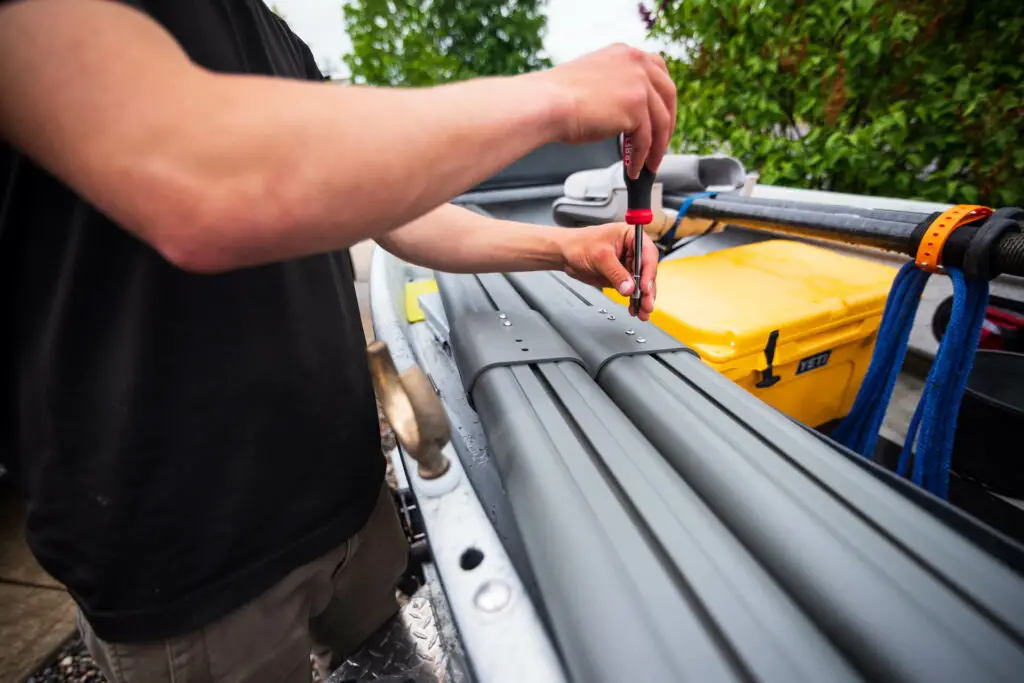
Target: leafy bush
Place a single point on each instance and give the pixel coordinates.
(912, 98)
(425, 42)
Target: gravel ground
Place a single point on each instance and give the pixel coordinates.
(72, 664)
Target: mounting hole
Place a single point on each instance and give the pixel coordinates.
(525, 349)
(471, 559)
(519, 341)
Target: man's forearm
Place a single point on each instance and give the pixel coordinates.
(220, 171)
(456, 240)
(343, 163)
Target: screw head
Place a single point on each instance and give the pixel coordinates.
(507, 323)
(641, 340)
(502, 316)
(493, 596)
(611, 317)
(630, 332)
(602, 310)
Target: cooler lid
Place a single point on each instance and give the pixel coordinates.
(726, 304)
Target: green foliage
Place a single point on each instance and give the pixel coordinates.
(912, 98)
(424, 42)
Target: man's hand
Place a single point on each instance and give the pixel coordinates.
(602, 256)
(618, 90)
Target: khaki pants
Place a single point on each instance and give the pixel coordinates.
(326, 609)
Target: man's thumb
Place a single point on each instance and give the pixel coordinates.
(614, 272)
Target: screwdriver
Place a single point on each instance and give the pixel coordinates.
(638, 214)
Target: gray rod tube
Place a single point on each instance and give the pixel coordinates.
(612, 602)
(993, 586)
(897, 620)
(616, 612)
(887, 582)
(484, 197)
(776, 641)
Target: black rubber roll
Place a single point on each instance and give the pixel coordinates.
(1010, 254)
(869, 231)
(895, 231)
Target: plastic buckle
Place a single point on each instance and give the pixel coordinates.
(768, 377)
(929, 251)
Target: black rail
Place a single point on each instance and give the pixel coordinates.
(983, 249)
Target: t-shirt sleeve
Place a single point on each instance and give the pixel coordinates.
(312, 71)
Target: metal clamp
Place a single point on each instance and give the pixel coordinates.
(600, 335)
(413, 410)
(487, 339)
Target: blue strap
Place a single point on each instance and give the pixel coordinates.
(929, 441)
(670, 236)
(859, 431)
(934, 422)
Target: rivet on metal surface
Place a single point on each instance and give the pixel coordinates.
(611, 317)
(507, 323)
(641, 340)
(602, 310)
(630, 332)
(502, 316)
(492, 596)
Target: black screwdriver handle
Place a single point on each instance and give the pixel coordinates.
(638, 192)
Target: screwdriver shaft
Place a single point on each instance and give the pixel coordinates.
(638, 245)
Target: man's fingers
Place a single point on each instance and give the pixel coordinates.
(649, 274)
(647, 302)
(658, 61)
(648, 265)
(661, 130)
(663, 112)
(641, 146)
(660, 114)
(666, 88)
(614, 272)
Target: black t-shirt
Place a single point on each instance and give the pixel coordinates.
(184, 440)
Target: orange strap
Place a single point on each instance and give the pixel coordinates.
(929, 252)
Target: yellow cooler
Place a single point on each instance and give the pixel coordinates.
(793, 324)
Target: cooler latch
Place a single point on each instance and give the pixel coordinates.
(768, 378)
